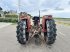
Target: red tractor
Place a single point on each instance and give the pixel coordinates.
(25, 30)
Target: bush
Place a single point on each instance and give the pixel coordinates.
(11, 16)
(8, 20)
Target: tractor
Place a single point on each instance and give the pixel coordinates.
(26, 30)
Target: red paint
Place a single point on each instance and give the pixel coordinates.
(44, 18)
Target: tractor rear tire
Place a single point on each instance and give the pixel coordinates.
(22, 35)
(51, 31)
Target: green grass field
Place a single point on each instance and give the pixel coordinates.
(63, 19)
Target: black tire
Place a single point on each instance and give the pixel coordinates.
(45, 35)
(22, 35)
(27, 36)
(51, 31)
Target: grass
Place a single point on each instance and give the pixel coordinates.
(64, 21)
(11, 20)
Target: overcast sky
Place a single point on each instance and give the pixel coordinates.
(60, 8)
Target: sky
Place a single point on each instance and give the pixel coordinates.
(57, 8)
